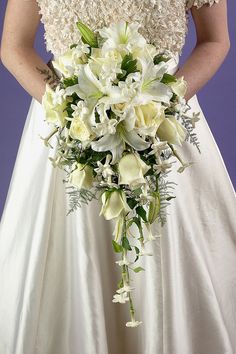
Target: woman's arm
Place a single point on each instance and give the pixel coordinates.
(17, 47)
(211, 48)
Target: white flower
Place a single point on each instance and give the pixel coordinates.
(54, 113)
(179, 87)
(124, 261)
(105, 170)
(80, 109)
(157, 147)
(122, 36)
(132, 170)
(58, 96)
(150, 87)
(82, 176)
(133, 323)
(150, 236)
(162, 166)
(172, 131)
(114, 204)
(121, 298)
(126, 288)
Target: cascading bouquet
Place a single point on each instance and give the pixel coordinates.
(118, 115)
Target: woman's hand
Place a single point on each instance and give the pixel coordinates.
(17, 47)
(211, 48)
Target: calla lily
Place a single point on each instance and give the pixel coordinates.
(114, 204)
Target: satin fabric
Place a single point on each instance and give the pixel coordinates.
(58, 273)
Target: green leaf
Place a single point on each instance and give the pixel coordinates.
(117, 248)
(138, 269)
(141, 212)
(167, 78)
(128, 65)
(125, 243)
(131, 202)
(159, 58)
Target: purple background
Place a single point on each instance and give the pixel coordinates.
(217, 100)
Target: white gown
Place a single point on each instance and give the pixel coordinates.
(58, 273)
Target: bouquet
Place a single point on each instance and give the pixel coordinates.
(119, 116)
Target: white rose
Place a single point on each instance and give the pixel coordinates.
(149, 116)
(54, 113)
(114, 204)
(131, 170)
(79, 129)
(172, 131)
(179, 87)
(82, 176)
(67, 62)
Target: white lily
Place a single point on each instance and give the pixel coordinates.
(122, 36)
(115, 143)
(151, 89)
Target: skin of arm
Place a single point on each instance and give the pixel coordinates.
(17, 47)
(211, 47)
(20, 58)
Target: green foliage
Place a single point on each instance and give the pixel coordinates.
(125, 243)
(138, 269)
(128, 65)
(141, 212)
(167, 78)
(70, 81)
(159, 58)
(117, 248)
(132, 202)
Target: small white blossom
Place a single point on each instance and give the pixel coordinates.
(105, 170)
(121, 298)
(163, 166)
(125, 288)
(133, 323)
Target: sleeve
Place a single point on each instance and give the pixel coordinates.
(199, 3)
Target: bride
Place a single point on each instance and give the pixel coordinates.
(58, 272)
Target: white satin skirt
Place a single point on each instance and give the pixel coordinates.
(58, 273)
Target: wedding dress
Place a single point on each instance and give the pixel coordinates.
(58, 273)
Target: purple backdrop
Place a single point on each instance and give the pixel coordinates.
(217, 100)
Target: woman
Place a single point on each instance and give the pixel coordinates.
(56, 271)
